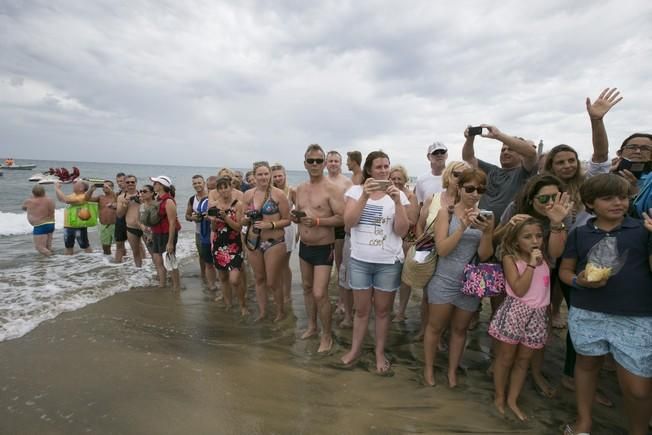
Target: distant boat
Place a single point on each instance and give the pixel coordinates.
(10, 164)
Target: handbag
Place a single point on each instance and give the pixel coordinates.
(417, 269)
(483, 279)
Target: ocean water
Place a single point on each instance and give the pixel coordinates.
(34, 288)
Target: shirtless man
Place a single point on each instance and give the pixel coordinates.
(320, 205)
(193, 215)
(40, 214)
(353, 162)
(129, 208)
(107, 204)
(120, 233)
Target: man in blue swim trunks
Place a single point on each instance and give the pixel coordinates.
(40, 214)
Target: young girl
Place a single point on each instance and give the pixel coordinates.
(520, 325)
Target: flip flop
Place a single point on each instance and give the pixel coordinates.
(386, 370)
(170, 262)
(568, 430)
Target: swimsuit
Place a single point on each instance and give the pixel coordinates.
(339, 233)
(269, 207)
(316, 255)
(44, 228)
(135, 231)
(266, 244)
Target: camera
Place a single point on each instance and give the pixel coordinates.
(213, 211)
(135, 199)
(254, 215)
(475, 131)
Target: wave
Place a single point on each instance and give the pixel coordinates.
(13, 224)
(36, 290)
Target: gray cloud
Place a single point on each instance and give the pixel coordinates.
(225, 84)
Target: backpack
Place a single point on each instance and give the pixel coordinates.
(149, 215)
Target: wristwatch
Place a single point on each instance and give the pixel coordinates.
(559, 227)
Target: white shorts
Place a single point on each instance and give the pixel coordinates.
(343, 273)
(290, 236)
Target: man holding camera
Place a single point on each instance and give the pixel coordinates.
(129, 208)
(319, 209)
(107, 205)
(518, 162)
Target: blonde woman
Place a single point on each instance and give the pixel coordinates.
(267, 213)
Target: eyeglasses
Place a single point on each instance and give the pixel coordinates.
(636, 147)
(146, 191)
(456, 174)
(471, 189)
(130, 182)
(314, 161)
(438, 153)
(545, 199)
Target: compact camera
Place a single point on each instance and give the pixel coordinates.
(254, 215)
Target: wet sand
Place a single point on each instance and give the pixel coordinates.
(153, 362)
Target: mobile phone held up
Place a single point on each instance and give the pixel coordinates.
(383, 185)
(476, 131)
(298, 214)
(485, 214)
(638, 169)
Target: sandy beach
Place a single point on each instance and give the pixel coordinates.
(149, 361)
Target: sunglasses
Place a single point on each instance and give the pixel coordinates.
(545, 199)
(130, 182)
(456, 174)
(146, 191)
(438, 153)
(314, 161)
(471, 189)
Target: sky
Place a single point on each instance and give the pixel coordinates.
(217, 83)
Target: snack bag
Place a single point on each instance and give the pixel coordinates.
(604, 260)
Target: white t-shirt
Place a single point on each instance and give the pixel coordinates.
(427, 184)
(373, 239)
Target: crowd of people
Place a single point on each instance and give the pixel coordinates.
(536, 216)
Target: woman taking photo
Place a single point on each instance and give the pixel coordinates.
(267, 213)
(377, 214)
(460, 235)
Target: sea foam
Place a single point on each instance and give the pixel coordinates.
(12, 224)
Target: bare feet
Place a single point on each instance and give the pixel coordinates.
(558, 322)
(260, 317)
(326, 343)
(347, 323)
(279, 316)
(543, 387)
(429, 376)
(244, 312)
(227, 307)
(600, 398)
(500, 405)
(516, 410)
(383, 366)
(399, 318)
(310, 332)
(349, 358)
(452, 378)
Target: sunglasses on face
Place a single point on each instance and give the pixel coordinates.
(145, 191)
(314, 161)
(130, 182)
(471, 189)
(438, 153)
(545, 199)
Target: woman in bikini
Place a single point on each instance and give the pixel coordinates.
(267, 214)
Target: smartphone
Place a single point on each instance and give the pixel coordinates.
(383, 184)
(636, 168)
(475, 131)
(213, 211)
(485, 214)
(298, 214)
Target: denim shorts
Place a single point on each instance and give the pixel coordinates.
(80, 234)
(627, 338)
(383, 277)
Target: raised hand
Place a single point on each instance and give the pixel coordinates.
(492, 131)
(647, 220)
(607, 99)
(518, 218)
(394, 193)
(558, 209)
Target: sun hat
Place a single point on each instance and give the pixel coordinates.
(163, 179)
(436, 146)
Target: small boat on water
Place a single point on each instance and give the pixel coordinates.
(56, 174)
(11, 165)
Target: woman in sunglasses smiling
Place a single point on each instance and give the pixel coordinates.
(460, 234)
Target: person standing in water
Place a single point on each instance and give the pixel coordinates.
(40, 214)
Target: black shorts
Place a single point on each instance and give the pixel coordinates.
(135, 231)
(70, 234)
(206, 253)
(319, 255)
(339, 233)
(160, 242)
(120, 229)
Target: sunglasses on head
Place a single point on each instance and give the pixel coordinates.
(314, 161)
(438, 153)
(471, 189)
(545, 199)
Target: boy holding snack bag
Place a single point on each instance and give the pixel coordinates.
(611, 301)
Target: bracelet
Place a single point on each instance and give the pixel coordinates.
(529, 265)
(273, 225)
(317, 222)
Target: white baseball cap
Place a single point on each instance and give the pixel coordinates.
(436, 146)
(163, 179)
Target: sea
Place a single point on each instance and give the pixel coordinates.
(34, 288)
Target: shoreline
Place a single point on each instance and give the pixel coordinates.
(153, 361)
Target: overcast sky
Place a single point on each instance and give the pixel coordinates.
(226, 83)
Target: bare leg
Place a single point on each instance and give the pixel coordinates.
(236, 283)
(425, 313)
(120, 251)
(438, 320)
(383, 303)
(211, 276)
(274, 258)
(176, 280)
(134, 243)
(347, 302)
(160, 270)
(505, 354)
(258, 265)
(460, 321)
(307, 277)
(404, 297)
(587, 369)
(362, 300)
(48, 244)
(321, 277)
(542, 384)
(227, 288)
(287, 279)
(41, 244)
(517, 379)
(637, 395)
